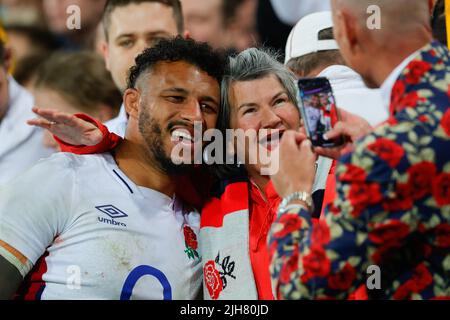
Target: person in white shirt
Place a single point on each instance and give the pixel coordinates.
(110, 226)
(311, 51)
(378, 186)
(130, 27)
(20, 145)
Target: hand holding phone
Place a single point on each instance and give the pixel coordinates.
(319, 112)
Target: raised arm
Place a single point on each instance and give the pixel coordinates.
(67, 127)
(76, 133)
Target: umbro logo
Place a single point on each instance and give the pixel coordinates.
(112, 212)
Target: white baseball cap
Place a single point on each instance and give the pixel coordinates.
(304, 37)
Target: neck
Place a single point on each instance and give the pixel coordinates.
(391, 59)
(133, 159)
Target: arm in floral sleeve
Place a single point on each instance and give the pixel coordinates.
(369, 220)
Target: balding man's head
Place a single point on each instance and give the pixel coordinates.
(404, 27)
(396, 15)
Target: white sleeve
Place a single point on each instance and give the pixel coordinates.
(291, 11)
(34, 209)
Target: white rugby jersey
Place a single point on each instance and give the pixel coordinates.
(118, 125)
(96, 234)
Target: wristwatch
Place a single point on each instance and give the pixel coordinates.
(303, 196)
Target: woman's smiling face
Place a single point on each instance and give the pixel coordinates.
(261, 104)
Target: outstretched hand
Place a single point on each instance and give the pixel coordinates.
(67, 127)
(352, 128)
(296, 165)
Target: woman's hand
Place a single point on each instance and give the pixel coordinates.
(352, 128)
(67, 127)
(296, 171)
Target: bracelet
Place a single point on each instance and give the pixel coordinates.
(303, 196)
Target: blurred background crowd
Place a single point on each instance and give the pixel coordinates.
(45, 39)
(61, 52)
(36, 28)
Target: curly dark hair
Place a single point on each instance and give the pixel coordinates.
(199, 54)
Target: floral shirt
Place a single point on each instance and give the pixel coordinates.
(389, 226)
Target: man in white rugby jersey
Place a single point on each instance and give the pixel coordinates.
(110, 226)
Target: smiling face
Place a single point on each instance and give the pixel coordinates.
(262, 104)
(132, 29)
(168, 101)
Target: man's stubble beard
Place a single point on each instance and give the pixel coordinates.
(151, 131)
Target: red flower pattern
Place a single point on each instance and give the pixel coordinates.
(441, 189)
(361, 195)
(289, 267)
(387, 150)
(402, 201)
(419, 281)
(445, 122)
(417, 70)
(213, 281)
(316, 264)
(391, 202)
(290, 222)
(387, 233)
(190, 238)
(343, 280)
(353, 174)
(320, 233)
(442, 232)
(420, 179)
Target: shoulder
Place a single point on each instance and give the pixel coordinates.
(60, 169)
(426, 77)
(379, 154)
(68, 161)
(409, 138)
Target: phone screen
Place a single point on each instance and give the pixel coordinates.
(318, 109)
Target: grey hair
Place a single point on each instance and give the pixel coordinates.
(251, 64)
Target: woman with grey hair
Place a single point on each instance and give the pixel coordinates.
(258, 96)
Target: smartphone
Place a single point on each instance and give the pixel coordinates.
(318, 109)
